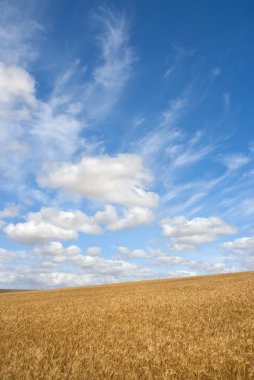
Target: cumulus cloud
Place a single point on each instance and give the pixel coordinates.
(16, 85)
(138, 252)
(9, 211)
(56, 253)
(54, 224)
(51, 224)
(188, 234)
(241, 252)
(121, 179)
(162, 259)
(47, 269)
(7, 277)
(107, 216)
(55, 249)
(133, 217)
(96, 271)
(51, 130)
(241, 245)
(196, 265)
(93, 251)
(4, 254)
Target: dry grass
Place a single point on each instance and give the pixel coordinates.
(195, 328)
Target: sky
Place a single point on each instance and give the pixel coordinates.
(126, 140)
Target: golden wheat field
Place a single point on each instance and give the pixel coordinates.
(189, 328)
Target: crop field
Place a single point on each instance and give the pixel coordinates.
(188, 328)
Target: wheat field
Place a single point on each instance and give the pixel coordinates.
(188, 328)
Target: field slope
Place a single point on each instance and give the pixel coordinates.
(191, 328)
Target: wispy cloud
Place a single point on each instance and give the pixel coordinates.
(216, 71)
(65, 171)
(53, 128)
(18, 35)
(188, 153)
(235, 161)
(110, 76)
(169, 71)
(226, 101)
(183, 51)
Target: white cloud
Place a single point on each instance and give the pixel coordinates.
(48, 269)
(188, 234)
(111, 75)
(133, 217)
(51, 129)
(57, 279)
(94, 271)
(242, 245)
(181, 273)
(93, 251)
(10, 210)
(188, 153)
(17, 100)
(16, 85)
(117, 56)
(56, 253)
(247, 206)
(55, 130)
(168, 148)
(175, 260)
(241, 252)
(174, 112)
(121, 179)
(55, 249)
(4, 254)
(138, 252)
(235, 161)
(51, 224)
(202, 266)
(107, 216)
(151, 146)
(7, 277)
(17, 35)
(161, 259)
(247, 262)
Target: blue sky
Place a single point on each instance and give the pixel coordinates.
(127, 141)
